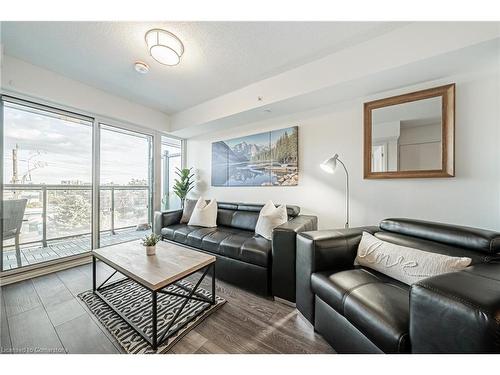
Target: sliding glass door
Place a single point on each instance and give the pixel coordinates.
(47, 191)
(125, 211)
(71, 183)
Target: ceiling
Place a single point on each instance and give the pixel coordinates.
(219, 57)
(417, 113)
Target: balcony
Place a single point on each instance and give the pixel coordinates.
(57, 220)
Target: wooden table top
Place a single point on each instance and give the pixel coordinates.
(170, 263)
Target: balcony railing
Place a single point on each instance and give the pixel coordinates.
(56, 212)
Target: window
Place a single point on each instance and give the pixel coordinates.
(47, 202)
(125, 185)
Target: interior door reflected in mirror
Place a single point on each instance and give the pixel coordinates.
(410, 135)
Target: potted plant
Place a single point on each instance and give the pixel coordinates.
(150, 243)
(184, 184)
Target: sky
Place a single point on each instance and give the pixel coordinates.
(63, 150)
(261, 139)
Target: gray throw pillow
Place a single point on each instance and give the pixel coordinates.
(188, 210)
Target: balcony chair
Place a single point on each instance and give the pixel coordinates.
(13, 213)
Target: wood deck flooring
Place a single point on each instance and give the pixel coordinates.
(55, 249)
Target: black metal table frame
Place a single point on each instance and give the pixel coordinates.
(156, 338)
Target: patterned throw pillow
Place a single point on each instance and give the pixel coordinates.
(403, 263)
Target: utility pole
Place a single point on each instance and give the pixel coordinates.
(15, 177)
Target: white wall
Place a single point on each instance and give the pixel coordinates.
(20, 77)
(471, 198)
(420, 147)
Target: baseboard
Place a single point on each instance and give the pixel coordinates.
(14, 276)
(285, 302)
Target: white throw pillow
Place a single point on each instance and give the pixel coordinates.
(204, 215)
(403, 263)
(270, 217)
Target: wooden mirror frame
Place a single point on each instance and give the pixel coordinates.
(447, 93)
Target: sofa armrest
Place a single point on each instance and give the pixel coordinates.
(164, 219)
(284, 254)
(320, 251)
(457, 312)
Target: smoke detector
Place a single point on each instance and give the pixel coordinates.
(141, 67)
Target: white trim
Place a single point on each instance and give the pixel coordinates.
(44, 108)
(1, 185)
(184, 153)
(96, 175)
(28, 272)
(157, 174)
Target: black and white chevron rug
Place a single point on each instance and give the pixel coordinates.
(134, 301)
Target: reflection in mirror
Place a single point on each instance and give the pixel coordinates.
(407, 136)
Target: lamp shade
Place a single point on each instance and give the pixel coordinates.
(330, 164)
(164, 47)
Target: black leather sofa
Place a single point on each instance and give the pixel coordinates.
(358, 310)
(244, 258)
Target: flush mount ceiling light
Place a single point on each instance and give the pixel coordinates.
(164, 47)
(141, 67)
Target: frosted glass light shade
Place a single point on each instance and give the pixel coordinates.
(164, 47)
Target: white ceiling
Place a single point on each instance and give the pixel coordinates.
(421, 112)
(219, 57)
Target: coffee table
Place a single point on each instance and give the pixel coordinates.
(170, 264)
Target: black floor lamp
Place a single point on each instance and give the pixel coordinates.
(329, 166)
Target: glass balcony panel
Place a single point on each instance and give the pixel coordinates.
(68, 212)
(131, 208)
(105, 210)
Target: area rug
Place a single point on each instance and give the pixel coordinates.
(134, 301)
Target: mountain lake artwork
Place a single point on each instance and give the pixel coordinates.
(264, 159)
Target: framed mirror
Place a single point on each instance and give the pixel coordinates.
(410, 135)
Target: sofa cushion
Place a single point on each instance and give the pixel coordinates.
(178, 232)
(212, 240)
(233, 243)
(245, 220)
(224, 217)
(375, 304)
(247, 247)
(245, 216)
(333, 287)
(195, 238)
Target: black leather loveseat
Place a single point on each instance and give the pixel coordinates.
(359, 310)
(244, 258)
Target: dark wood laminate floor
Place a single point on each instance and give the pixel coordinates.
(43, 315)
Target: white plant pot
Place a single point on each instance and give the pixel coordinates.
(150, 250)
